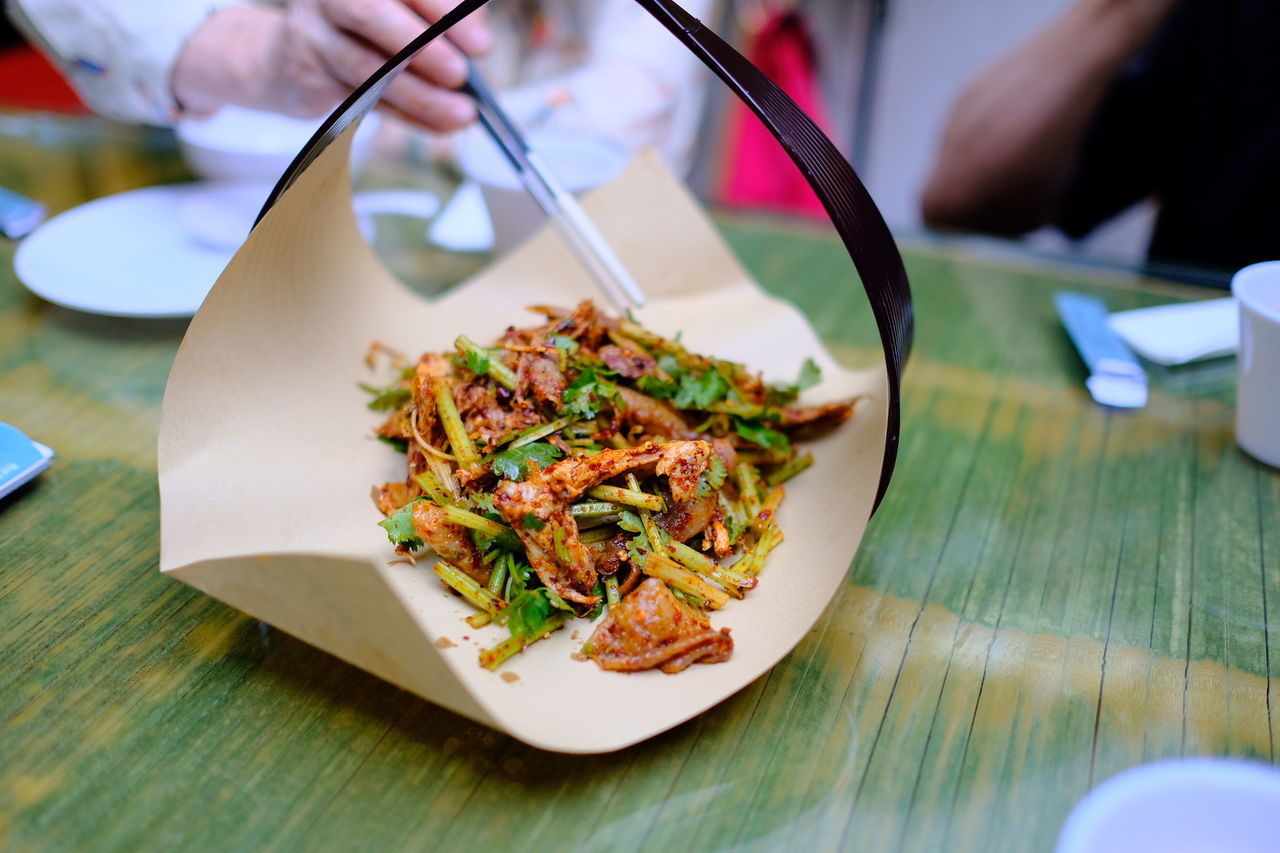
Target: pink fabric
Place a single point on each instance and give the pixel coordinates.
(759, 174)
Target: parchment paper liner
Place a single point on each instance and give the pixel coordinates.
(266, 455)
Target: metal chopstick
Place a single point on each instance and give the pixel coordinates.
(557, 202)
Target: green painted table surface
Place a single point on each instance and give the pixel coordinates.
(1051, 593)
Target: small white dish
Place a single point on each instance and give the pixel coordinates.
(1178, 807)
(126, 255)
(237, 144)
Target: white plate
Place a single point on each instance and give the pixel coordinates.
(156, 252)
(126, 255)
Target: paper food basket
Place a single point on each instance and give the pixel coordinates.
(266, 455)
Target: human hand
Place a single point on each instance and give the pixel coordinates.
(303, 59)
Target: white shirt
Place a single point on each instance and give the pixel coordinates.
(599, 66)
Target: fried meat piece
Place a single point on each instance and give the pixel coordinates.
(452, 542)
(628, 363)
(550, 536)
(610, 556)
(682, 462)
(538, 377)
(556, 553)
(685, 519)
(485, 418)
(808, 421)
(652, 628)
(392, 496)
(656, 417)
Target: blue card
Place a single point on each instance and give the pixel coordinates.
(20, 458)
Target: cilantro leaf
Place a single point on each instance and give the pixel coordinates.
(528, 612)
(563, 343)
(810, 375)
(597, 590)
(700, 391)
(657, 388)
(753, 430)
(400, 529)
(483, 502)
(532, 522)
(713, 477)
(783, 395)
(478, 362)
(504, 541)
(389, 398)
(514, 464)
(586, 394)
(401, 444)
(735, 527)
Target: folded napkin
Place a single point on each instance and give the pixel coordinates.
(20, 458)
(1180, 333)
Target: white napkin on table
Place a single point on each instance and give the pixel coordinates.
(1180, 333)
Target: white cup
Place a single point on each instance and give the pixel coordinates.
(1257, 290)
(579, 161)
(1193, 804)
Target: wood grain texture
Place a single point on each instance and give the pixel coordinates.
(1051, 593)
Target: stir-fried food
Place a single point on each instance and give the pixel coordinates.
(586, 465)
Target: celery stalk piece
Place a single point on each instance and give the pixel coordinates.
(457, 580)
(499, 372)
(543, 431)
(597, 534)
(474, 521)
(493, 658)
(790, 469)
(735, 583)
(479, 619)
(463, 448)
(498, 578)
(431, 486)
(755, 555)
(662, 568)
(611, 591)
(628, 497)
(593, 509)
(746, 477)
(443, 472)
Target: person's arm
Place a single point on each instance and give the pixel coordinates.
(302, 59)
(152, 62)
(1013, 136)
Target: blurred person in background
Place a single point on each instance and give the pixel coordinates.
(602, 67)
(1119, 101)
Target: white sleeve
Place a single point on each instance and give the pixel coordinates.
(117, 54)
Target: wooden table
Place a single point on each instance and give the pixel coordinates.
(1051, 593)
